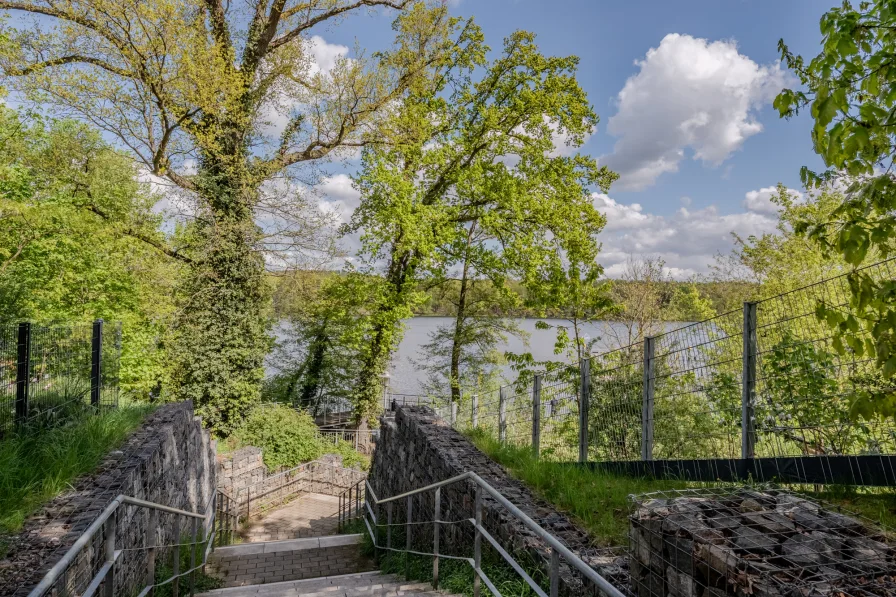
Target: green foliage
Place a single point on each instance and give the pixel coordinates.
(474, 144)
(286, 436)
(289, 437)
(35, 467)
(78, 240)
(850, 93)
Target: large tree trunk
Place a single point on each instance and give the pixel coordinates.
(221, 331)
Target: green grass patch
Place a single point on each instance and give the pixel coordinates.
(202, 582)
(37, 465)
(599, 501)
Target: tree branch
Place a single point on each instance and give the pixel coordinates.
(334, 12)
(137, 234)
(73, 59)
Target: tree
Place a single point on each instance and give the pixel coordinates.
(63, 262)
(476, 149)
(196, 83)
(850, 89)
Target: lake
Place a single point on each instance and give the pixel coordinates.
(405, 379)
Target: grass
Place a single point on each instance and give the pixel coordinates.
(38, 465)
(203, 582)
(598, 501)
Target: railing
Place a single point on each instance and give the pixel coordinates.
(227, 519)
(282, 487)
(360, 439)
(352, 502)
(95, 563)
(371, 510)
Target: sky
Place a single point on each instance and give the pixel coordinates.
(684, 92)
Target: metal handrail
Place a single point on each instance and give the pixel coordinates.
(558, 549)
(107, 569)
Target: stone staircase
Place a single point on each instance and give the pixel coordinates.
(362, 584)
(315, 567)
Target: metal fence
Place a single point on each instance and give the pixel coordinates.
(49, 374)
(764, 382)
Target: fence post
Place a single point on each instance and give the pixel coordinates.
(23, 371)
(748, 396)
(647, 400)
(474, 416)
(502, 415)
(453, 413)
(389, 525)
(96, 362)
(193, 557)
(536, 416)
(175, 558)
(584, 399)
(435, 538)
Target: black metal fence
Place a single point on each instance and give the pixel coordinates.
(49, 374)
(759, 391)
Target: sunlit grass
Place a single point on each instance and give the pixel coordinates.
(36, 466)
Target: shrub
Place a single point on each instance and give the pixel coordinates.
(286, 436)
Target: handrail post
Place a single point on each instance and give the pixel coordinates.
(193, 557)
(407, 545)
(748, 395)
(175, 564)
(435, 538)
(502, 415)
(536, 416)
(555, 573)
(477, 543)
(109, 539)
(151, 534)
(474, 415)
(584, 398)
(23, 371)
(389, 525)
(647, 399)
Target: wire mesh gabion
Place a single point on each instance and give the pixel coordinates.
(738, 541)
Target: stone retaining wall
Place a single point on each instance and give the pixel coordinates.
(246, 479)
(417, 448)
(169, 460)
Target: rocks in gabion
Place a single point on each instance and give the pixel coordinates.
(754, 543)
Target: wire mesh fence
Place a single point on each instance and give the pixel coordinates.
(51, 374)
(768, 381)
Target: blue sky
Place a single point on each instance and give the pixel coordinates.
(693, 131)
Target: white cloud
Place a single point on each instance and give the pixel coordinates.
(690, 94)
(761, 201)
(338, 196)
(687, 240)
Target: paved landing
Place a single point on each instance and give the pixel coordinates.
(310, 515)
(369, 584)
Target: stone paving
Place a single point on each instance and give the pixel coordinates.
(311, 515)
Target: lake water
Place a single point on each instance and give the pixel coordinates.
(405, 378)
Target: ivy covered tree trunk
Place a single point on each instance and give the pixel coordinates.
(221, 332)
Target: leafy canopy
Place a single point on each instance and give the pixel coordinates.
(850, 90)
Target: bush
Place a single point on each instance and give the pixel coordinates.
(289, 437)
(286, 437)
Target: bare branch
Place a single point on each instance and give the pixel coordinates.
(73, 59)
(139, 235)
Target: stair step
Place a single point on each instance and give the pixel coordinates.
(365, 584)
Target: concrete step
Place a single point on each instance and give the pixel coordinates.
(365, 584)
(297, 559)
